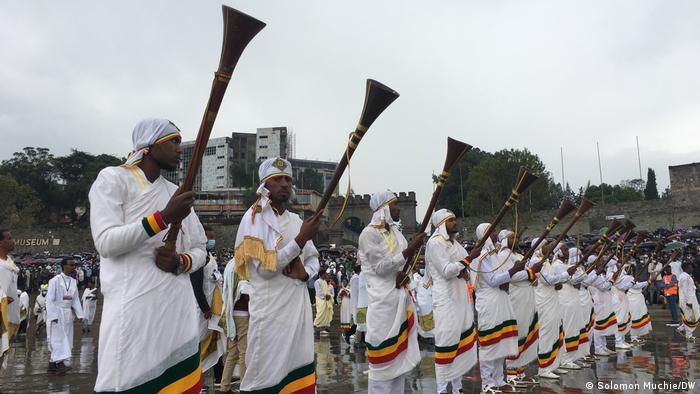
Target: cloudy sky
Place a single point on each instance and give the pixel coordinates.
(542, 75)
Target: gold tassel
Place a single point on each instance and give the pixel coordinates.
(253, 248)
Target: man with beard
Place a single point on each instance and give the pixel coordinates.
(149, 337)
(275, 253)
(392, 342)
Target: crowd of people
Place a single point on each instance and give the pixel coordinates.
(175, 307)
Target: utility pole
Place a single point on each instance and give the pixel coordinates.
(600, 170)
(639, 159)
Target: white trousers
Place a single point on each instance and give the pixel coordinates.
(492, 372)
(619, 338)
(393, 386)
(456, 385)
(599, 342)
(568, 357)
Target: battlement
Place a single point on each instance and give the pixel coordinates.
(362, 200)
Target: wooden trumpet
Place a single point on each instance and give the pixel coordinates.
(239, 30)
(455, 151)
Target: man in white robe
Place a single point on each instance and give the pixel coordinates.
(621, 303)
(62, 299)
(392, 343)
(455, 333)
(422, 287)
(497, 331)
(275, 253)
(236, 299)
(522, 298)
(9, 304)
(688, 302)
(324, 303)
(206, 283)
(606, 321)
(149, 337)
(551, 326)
(40, 308)
(89, 305)
(23, 311)
(572, 314)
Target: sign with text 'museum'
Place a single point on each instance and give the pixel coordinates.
(38, 241)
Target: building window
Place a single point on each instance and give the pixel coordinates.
(220, 146)
(220, 177)
(263, 136)
(211, 150)
(220, 167)
(220, 157)
(262, 147)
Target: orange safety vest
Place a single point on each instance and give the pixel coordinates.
(673, 290)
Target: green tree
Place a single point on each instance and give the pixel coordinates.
(492, 180)
(76, 173)
(651, 192)
(34, 167)
(613, 194)
(456, 189)
(20, 203)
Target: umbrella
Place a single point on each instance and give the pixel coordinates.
(691, 234)
(674, 245)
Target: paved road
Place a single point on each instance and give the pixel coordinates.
(664, 358)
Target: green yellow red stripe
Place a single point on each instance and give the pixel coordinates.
(507, 329)
(689, 323)
(532, 335)
(392, 347)
(187, 259)
(153, 224)
(167, 137)
(641, 322)
(300, 381)
(183, 377)
(345, 326)
(546, 359)
(447, 354)
(611, 320)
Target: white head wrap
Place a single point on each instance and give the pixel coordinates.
(438, 221)
(148, 132)
(503, 237)
(271, 168)
(480, 231)
(379, 204)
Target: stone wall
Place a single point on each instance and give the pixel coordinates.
(647, 215)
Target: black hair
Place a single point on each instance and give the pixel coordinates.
(357, 268)
(208, 228)
(65, 261)
(685, 265)
(2, 233)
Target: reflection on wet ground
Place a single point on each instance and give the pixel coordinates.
(665, 358)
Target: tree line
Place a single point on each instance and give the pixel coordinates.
(39, 187)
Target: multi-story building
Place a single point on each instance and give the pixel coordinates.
(214, 172)
(272, 142)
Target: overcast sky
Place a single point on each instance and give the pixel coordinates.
(541, 75)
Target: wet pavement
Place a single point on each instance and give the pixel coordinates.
(664, 359)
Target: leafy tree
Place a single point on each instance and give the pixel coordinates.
(613, 194)
(651, 192)
(491, 181)
(20, 203)
(34, 167)
(453, 191)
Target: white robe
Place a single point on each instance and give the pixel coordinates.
(686, 295)
(392, 342)
(551, 326)
(605, 319)
(641, 321)
(40, 309)
(522, 298)
(621, 303)
(572, 314)
(141, 303)
(210, 329)
(89, 304)
(279, 304)
(587, 313)
(8, 283)
(423, 290)
(455, 334)
(360, 302)
(345, 309)
(232, 283)
(60, 299)
(497, 327)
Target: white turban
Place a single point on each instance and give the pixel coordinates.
(538, 251)
(480, 232)
(503, 237)
(379, 204)
(271, 168)
(438, 221)
(148, 132)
